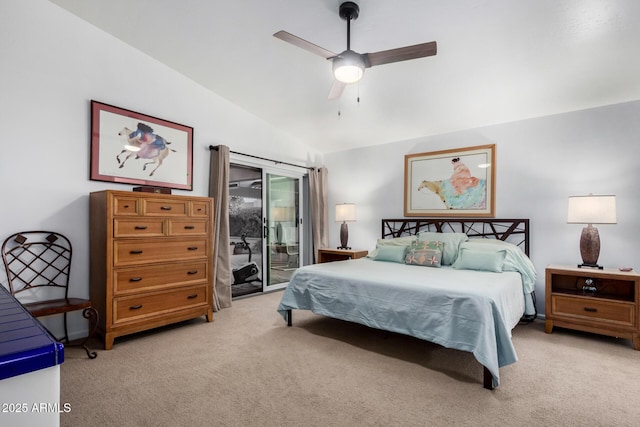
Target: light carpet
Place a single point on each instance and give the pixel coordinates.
(248, 368)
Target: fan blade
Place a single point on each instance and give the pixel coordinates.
(401, 54)
(297, 41)
(336, 90)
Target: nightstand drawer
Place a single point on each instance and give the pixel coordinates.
(620, 313)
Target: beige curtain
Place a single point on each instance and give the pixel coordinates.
(319, 208)
(219, 190)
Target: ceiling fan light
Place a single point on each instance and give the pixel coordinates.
(348, 67)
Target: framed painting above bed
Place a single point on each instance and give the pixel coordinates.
(458, 183)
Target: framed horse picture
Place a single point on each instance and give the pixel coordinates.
(458, 182)
(133, 148)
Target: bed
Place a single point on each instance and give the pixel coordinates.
(461, 283)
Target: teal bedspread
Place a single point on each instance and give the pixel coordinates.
(472, 311)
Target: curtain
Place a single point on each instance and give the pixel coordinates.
(219, 190)
(319, 208)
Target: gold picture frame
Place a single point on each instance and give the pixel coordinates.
(451, 183)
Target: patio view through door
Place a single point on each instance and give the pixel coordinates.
(282, 229)
(265, 227)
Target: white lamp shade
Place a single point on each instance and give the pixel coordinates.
(348, 67)
(282, 213)
(345, 212)
(592, 210)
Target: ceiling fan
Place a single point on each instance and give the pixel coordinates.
(348, 66)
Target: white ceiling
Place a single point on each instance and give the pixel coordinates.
(497, 61)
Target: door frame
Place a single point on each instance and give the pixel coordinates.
(266, 167)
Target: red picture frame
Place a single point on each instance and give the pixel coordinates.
(133, 148)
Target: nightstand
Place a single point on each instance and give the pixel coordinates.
(604, 301)
(329, 255)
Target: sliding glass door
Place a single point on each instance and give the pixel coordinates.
(265, 227)
(245, 228)
(282, 229)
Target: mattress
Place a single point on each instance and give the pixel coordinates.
(467, 310)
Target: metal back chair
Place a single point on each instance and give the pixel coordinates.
(38, 264)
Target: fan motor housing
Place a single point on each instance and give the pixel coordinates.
(349, 11)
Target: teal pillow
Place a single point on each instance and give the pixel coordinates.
(469, 259)
(396, 241)
(451, 242)
(391, 253)
(425, 253)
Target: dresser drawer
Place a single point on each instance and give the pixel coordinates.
(159, 207)
(188, 227)
(130, 252)
(135, 307)
(125, 205)
(620, 313)
(137, 279)
(200, 209)
(130, 227)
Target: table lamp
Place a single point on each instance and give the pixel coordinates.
(591, 210)
(345, 212)
(280, 214)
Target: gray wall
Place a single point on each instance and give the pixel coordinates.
(53, 64)
(540, 162)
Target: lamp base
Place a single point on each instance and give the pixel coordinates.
(344, 236)
(584, 265)
(589, 247)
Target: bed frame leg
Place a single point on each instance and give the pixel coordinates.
(488, 379)
(289, 320)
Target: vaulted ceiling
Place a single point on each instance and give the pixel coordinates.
(498, 60)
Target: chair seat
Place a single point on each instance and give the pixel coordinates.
(56, 306)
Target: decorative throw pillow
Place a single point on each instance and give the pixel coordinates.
(391, 253)
(425, 253)
(470, 259)
(451, 242)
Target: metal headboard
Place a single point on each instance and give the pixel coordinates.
(515, 231)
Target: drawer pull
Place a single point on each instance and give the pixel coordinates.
(189, 227)
(140, 227)
(135, 279)
(591, 309)
(136, 252)
(192, 248)
(192, 296)
(192, 272)
(165, 208)
(135, 307)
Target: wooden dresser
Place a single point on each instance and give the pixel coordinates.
(151, 260)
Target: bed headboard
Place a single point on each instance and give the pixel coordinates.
(515, 231)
